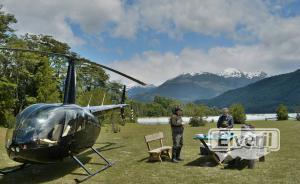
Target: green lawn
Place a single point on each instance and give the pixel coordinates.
(129, 152)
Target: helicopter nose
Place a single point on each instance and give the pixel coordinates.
(17, 144)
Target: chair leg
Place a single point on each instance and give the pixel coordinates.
(150, 157)
(159, 157)
(169, 154)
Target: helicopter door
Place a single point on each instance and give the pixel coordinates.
(70, 123)
(57, 131)
(81, 122)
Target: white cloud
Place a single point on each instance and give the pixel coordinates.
(173, 17)
(51, 17)
(277, 39)
(206, 16)
(127, 27)
(276, 51)
(155, 68)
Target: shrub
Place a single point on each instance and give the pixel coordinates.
(282, 112)
(7, 119)
(238, 113)
(197, 121)
(298, 117)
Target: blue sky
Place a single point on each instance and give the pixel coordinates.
(111, 48)
(155, 40)
(116, 49)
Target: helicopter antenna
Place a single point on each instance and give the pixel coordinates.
(103, 98)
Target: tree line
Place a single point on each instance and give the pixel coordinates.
(163, 106)
(27, 78)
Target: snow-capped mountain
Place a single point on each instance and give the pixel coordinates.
(233, 72)
(263, 96)
(202, 85)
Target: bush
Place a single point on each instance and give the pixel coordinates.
(282, 112)
(238, 113)
(298, 117)
(7, 119)
(197, 121)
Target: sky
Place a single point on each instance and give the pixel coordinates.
(155, 40)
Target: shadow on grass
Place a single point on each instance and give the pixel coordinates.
(237, 164)
(204, 161)
(144, 159)
(163, 157)
(49, 172)
(107, 146)
(207, 161)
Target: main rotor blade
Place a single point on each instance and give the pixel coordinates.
(36, 51)
(75, 58)
(118, 72)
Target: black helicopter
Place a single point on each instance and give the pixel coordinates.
(48, 133)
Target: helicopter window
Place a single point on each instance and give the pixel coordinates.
(92, 120)
(70, 123)
(21, 117)
(43, 125)
(53, 136)
(56, 132)
(80, 122)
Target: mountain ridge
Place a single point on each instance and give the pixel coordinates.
(263, 96)
(189, 87)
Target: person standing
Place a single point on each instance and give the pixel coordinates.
(225, 120)
(177, 134)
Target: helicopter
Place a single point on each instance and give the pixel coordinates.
(48, 133)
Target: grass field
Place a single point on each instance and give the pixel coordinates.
(129, 152)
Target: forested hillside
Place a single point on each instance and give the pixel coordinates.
(264, 96)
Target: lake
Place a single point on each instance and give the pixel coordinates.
(250, 117)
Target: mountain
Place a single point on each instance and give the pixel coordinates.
(263, 96)
(190, 87)
(135, 90)
(233, 72)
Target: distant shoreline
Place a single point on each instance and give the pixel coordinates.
(249, 117)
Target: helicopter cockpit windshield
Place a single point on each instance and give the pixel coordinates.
(42, 124)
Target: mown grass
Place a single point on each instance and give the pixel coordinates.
(129, 152)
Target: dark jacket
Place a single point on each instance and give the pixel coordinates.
(225, 121)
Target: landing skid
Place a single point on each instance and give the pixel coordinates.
(7, 171)
(90, 174)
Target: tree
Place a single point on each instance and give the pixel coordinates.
(46, 84)
(155, 110)
(282, 112)
(195, 110)
(29, 77)
(167, 103)
(238, 113)
(91, 77)
(5, 21)
(7, 101)
(298, 117)
(197, 121)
